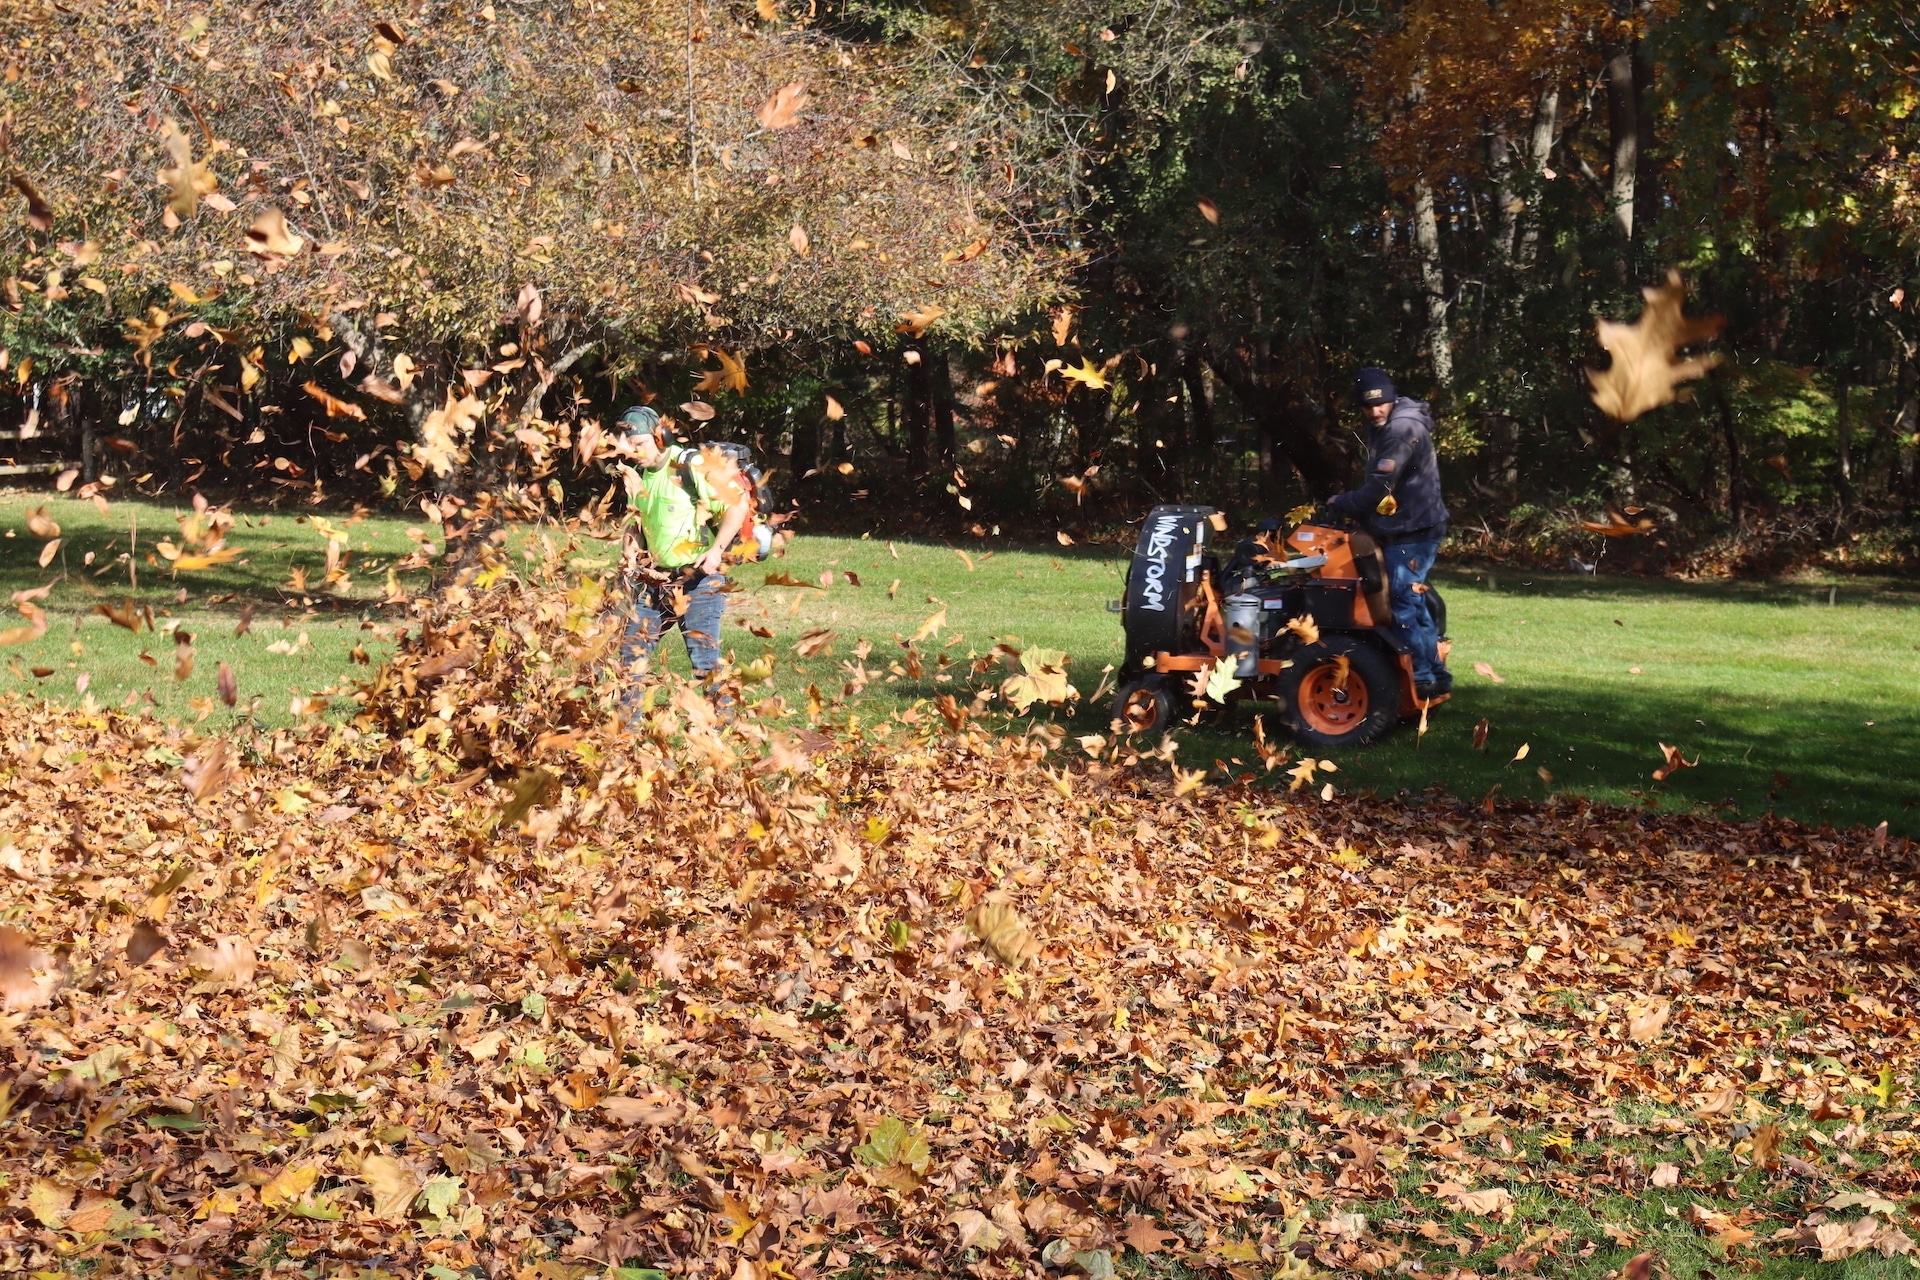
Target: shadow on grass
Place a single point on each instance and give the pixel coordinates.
(1817, 762)
(1873, 589)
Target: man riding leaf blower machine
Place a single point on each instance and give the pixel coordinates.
(1301, 621)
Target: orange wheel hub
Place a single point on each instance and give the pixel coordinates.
(1333, 699)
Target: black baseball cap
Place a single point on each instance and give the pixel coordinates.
(1372, 386)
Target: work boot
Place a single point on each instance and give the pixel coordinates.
(1442, 682)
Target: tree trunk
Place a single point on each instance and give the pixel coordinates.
(942, 390)
(1906, 420)
(1623, 119)
(1433, 279)
(1289, 420)
(1505, 198)
(1844, 426)
(916, 405)
(1157, 425)
(1736, 484)
(803, 456)
(1546, 125)
(1199, 400)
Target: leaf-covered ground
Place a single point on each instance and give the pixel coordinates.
(490, 979)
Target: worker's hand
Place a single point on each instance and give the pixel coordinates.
(712, 562)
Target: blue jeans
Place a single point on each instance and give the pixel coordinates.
(1408, 563)
(700, 624)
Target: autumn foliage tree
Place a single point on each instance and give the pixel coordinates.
(364, 216)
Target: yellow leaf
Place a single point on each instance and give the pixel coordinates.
(289, 1185)
(1086, 375)
(1000, 928)
(931, 627)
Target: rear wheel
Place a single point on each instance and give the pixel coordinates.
(1144, 704)
(1341, 692)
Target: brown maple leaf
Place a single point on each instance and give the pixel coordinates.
(209, 770)
(1143, 1235)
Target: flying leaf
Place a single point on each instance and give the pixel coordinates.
(1480, 735)
(144, 943)
(230, 961)
(289, 1185)
(39, 213)
(1617, 525)
(730, 376)
(1086, 375)
(916, 323)
(269, 235)
(227, 687)
(209, 771)
(1221, 681)
(335, 406)
(124, 616)
(813, 642)
(1208, 210)
(1647, 366)
(1521, 754)
(18, 959)
(1674, 763)
(797, 237)
(444, 429)
(1649, 1023)
(187, 178)
(1000, 928)
(48, 552)
(36, 625)
(783, 109)
(931, 627)
(40, 525)
(1486, 669)
(835, 412)
(394, 1185)
(1305, 628)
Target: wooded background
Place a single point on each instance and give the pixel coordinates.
(972, 263)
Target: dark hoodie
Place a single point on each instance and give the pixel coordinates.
(1401, 462)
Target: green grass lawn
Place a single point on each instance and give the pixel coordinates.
(298, 638)
(1788, 703)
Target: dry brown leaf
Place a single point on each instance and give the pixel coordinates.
(1647, 366)
(209, 771)
(393, 1183)
(269, 235)
(1000, 928)
(18, 960)
(39, 213)
(783, 109)
(1649, 1023)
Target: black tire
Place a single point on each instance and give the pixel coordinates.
(1319, 711)
(1143, 704)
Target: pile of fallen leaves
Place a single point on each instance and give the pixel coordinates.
(492, 978)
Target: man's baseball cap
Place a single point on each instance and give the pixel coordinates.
(1372, 386)
(640, 421)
